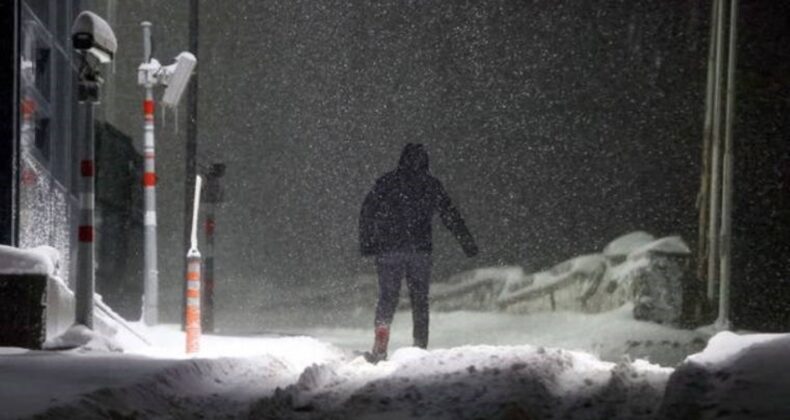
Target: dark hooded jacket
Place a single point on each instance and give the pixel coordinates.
(397, 213)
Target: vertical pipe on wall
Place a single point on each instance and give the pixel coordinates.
(704, 194)
(723, 320)
(715, 182)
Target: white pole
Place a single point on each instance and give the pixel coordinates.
(723, 320)
(151, 270)
(715, 183)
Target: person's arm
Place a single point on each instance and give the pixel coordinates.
(452, 219)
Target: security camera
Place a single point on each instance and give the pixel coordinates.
(93, 36)
(176, 76)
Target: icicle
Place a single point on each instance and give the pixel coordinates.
(163, 113)
(175, 112)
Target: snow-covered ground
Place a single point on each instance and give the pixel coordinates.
(609, 335)
(479, 365)
(537, 365)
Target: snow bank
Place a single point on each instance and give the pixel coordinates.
(472, 382)
(42, 260)
(165, 383)
(736, 376)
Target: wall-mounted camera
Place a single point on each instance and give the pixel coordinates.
(174, 77)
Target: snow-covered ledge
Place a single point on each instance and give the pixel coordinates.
(60, 302)
(42, 260)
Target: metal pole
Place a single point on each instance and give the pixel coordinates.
(86, 249)
(207, 310)
(151, 273)
(704, 197)
(727, 188)
(713, 219)
(192, 115)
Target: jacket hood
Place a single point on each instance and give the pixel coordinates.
(414, 159)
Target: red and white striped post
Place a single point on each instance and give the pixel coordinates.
(89, 87)
(151, 270)
(192, 308)
(86, 250)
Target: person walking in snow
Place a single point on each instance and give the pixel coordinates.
(395, 226)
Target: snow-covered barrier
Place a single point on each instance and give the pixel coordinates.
(652, 278)
(633, 268)
(473, 290)
(567, 286)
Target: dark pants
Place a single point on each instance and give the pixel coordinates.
(416, 268)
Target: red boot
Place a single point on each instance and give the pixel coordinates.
(379, 351)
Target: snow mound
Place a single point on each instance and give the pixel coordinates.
(42, 260)
(472, 382)
(82, 338)
(736, 376)
(627, 243)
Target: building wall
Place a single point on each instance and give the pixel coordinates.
(9, 63)
(51, 126)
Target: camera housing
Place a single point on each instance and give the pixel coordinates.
(176, 76)
(93, 36)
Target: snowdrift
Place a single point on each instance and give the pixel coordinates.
(472, 382)
(634, 268)
(736, 376)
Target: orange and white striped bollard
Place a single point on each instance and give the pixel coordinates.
(192, 307)
(193, 301)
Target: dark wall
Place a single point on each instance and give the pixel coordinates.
(9, 62)
(761, 227)
(119, 200)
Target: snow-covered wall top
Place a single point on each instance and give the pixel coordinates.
(627, 243)
(42, 260)
(669, 245)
